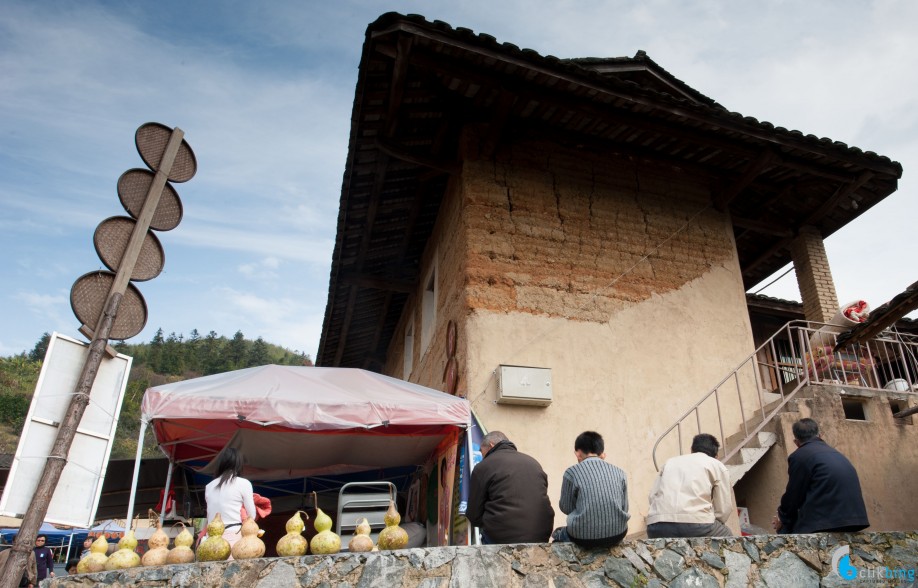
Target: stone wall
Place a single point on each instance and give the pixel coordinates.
(772, 561)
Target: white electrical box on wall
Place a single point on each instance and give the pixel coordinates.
(523, 385)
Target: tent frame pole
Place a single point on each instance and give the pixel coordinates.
(162, 511)
(130, 511)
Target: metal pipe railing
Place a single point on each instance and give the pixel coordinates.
(890, 359)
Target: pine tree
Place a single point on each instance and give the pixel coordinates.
(41, 348)
(258, 354)
(235, 351)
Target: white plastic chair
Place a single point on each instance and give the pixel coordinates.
(359, 500)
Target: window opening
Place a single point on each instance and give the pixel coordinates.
(429, 308)
(854, 409)
(408, 351)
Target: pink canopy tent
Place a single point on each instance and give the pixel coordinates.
(293, 421)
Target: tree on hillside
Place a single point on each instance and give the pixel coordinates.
(41, 348)
(155, 351)
(213, 361)
(172, 359)
(235, 351)
(258, 354)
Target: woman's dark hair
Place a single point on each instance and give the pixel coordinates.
(229, 465)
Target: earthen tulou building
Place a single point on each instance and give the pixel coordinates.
(568, 243)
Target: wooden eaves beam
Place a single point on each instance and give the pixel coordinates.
(762, 227)
(398, 152)
(378, 181)
(841, 193)
(764, 160)
(701, 114)
(525, 90)
(378, 283)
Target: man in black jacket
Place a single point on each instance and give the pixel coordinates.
(508, 495)
(823, 491)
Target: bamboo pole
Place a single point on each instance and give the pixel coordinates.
(38, 508)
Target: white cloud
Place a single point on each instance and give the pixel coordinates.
(264, 94)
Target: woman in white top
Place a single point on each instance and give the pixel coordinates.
(229, 493)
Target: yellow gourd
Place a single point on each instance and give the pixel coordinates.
(159, 548)
(182, 553)
(393, 536)
(361, 541)
(325, 541)
(125, 557)
(293, 543)
(94, 561)
(214, 547)
(250, 546)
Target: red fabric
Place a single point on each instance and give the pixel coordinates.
(169, 501)
(857, 312)
(262, 507)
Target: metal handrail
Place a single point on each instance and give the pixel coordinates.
(859, 364)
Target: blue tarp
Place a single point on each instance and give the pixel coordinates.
(57, 538)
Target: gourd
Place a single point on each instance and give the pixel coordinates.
(159, 548)
(125, 557)
(250, 546)
(214, 547)
(393, 536)
(361, 541)
(182, 553)
(94, 561)
(325, 541)
(293, 543)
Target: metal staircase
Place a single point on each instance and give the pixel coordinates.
(801, 353)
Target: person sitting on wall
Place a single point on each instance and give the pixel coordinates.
(823, 491)
(692, 496)
(594, 496)
(508, 495)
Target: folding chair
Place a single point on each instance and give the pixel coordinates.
(359, 500)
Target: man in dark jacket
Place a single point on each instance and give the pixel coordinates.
(508, 495)
(823, 491)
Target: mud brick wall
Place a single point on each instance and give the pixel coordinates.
(564, 232)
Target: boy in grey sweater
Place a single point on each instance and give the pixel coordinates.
(594, 496)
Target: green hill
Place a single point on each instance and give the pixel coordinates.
(161, 361)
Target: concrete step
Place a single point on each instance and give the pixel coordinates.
(751, 455)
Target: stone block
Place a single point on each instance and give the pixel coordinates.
(738, 566)
(668, 564)
(282, 574)
(620, 570)
(694, 578)
(712, 560)
(787, 570)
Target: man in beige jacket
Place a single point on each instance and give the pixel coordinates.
(692, 496)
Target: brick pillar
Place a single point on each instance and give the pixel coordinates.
(820, 302)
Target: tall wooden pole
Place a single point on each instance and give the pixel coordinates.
(38, 508)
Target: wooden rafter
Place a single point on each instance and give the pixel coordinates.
(762, 227)
(398, 152)
(764, 160)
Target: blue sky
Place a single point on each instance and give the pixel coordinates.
(263, 91)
